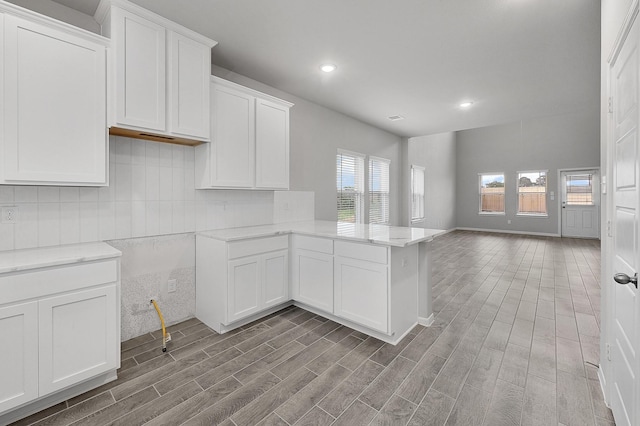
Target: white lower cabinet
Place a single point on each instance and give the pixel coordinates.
(361, 292)
(60, 327)
(19, 355)
(235, 280)
(77, 332)
(313, 278)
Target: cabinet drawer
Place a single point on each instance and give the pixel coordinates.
(251, 247)
(28, 285)
(321, 245)
(368, 252)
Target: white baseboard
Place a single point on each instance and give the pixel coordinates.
(504, 231)
(426, 321)
(603, 387)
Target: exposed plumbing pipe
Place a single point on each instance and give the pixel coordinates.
(166, 337)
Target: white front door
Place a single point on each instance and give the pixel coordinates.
(625, 315)
(580, 203)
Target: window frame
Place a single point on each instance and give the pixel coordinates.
(546, 194)
(421, 208)
(387, 213)
(359, 204)
(504, 194)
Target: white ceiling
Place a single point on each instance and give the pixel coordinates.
(416, 58)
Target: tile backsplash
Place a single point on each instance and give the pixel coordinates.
(151, 192)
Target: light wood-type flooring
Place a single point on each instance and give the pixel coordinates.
(515, 341)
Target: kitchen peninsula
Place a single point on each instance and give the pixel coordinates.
(373, 278)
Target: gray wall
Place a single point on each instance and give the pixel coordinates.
(437, 154)
(316, 134)
(548, 143)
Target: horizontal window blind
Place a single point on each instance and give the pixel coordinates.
(378, 190)
(350, 186)
(417, 193)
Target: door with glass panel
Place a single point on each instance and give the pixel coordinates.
(580, 203)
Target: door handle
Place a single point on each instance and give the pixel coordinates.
(626, 279)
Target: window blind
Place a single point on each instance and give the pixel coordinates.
(350, 186)
(378, 190)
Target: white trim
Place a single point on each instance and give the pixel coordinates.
(537, 215)
(384, 160)
(503, 231)
(624, 32)
(492, 213)
(546, 193)
(231, 85)
(427, 322)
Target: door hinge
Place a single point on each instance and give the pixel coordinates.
(610, 105)
(608, 349)
(609, 234)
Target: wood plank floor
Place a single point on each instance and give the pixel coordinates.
(515, 341)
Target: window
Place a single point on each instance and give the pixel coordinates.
(350, 186)
(580, 189)
(378, 190)
(532, 193)
(417, 193)
(491, 193)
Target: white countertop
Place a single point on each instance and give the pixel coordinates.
(22, 260)
(395, 236)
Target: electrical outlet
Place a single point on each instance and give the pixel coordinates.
(508, 221)
(10, 214)
(172, 286)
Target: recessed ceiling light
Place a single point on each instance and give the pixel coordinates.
(466, 104)
(328, 67)
(395, 117)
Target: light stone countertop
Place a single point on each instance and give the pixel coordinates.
(26, 259)
(395, 236)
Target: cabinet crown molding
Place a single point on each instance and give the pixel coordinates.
(105, 6)
(253, 92)
(12, 9)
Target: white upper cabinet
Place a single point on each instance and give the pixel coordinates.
(249, 140)
(140, 58)
(53, 98)
(160, 75)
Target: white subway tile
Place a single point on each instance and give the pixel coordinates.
(123, 219)
(189, 157)
(26, 194)
(177, 219)
(189, 185)
(26, 230)
(189, 216)
(89, 227)
(48, 194)
(139, 182)
(123, 182)
(165, 217)
(166, 186)
(138, 152)
(153, 217)
(69, 194)
(88, 195)
(153, 183)
(69, 223)
(48, 224)
(201, 215)
(178, 185)
(6, 236)
(178, 156)
(123, 151)
(106, 221)
(153, 153)
(166, 155)
(138, 218)
(7, 194)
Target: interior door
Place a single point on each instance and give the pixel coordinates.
(580, 203)
(624, 75)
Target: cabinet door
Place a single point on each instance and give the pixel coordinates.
(232, 144)
(54, 107)
(190, 68)
(244, 289)
(313, 278)
(19, 355)
(78, 337)
(275, 277)
(361, 292)
(140, 80)
(272, 145)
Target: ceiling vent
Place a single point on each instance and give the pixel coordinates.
(396, 117)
